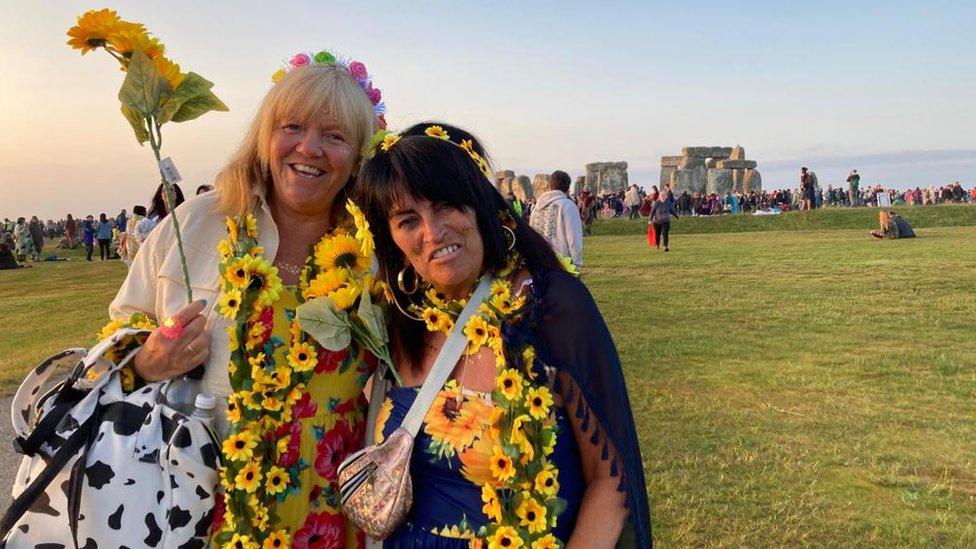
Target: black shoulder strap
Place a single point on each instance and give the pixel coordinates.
(76, 441)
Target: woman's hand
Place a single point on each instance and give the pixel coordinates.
(163, 358)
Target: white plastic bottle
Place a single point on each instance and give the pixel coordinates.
(182, 393)
(203, 409)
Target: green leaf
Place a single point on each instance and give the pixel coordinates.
(321, 319)
(372, 317)
(137, 122)
(191, 99)
(198, 106)
(144, 86)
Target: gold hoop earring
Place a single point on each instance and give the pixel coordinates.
(400, 307)
(402, 285)
(511, 245)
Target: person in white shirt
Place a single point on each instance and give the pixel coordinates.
(556, 217)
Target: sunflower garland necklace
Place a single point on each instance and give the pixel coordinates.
(520, 499)
(253, 476)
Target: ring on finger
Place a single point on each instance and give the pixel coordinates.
(189, 348)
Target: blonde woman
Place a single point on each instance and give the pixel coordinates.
(290, 173)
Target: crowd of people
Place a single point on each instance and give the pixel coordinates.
(22, 242)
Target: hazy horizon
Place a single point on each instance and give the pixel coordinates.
(545, 86)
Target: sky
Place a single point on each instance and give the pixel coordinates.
(883, 87)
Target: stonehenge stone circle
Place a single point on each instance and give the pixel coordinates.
(718, 170)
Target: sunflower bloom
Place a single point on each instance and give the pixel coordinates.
(225, 249)
(509, 382)
(477, 331)
(277, 540)
(171, 72)
(239, 446)
(341, 252)
(546, 482)
(233, 411)
(255, 335)
(519, 438)
(547, 541)
(389, 140)
(111, 328)
(277, 480)
(237, 272)
(438, 132)
(130, 38)
(325, 283)
(242, 542)
(302, 357)
(437, 320)
(251, 226)
(531, 515)
(345, 298)
(248, 478)
(501, 465)
(505, 537)
(538, 401)
(93, 29)
(230, 304)
(492, 508)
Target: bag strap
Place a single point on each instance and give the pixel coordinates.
(445, 361)
(26, 498)
(376, 396)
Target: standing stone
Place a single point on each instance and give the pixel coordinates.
(738, 175)
(737, 153)
(666, 175)
(744, 164)
(720, 152)
(505, 186)
(710, 164)
(540, 184)
(606, 177)
(522, 188)
(719, 182)
(670, 161)
(577, 187)
(751, 181)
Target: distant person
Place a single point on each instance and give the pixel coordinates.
(120, 221)
(129, 241)
(204, 189)
(662, 210)
(157, 210)
(71, 231)
(37, 235)
(23, 239)
(104, 235)
(853, 182)
(586, 202)
(633, 200)
(88, 236)
(892, 226)
(7, 259)
(557, 218)
(806, 190)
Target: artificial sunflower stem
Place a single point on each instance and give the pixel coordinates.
(155, 141)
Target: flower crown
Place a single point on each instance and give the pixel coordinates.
(389, 139)
(355, 69)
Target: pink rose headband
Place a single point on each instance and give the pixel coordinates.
(355, 69)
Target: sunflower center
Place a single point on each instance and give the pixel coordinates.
(302, 356)
(548, 482)
(249, 476)
(508, 383)
(240, 273)
(506, 542)
(239, 445)
(345, 259)
(537, 401)
(530, 515)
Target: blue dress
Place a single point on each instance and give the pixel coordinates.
(450, 463)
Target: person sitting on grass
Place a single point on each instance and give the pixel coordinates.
(7, 259)
(892, 226)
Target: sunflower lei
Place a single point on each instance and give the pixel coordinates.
(520, 500)
(264, 391)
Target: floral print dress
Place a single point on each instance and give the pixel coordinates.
(450, 463)
(328, 424)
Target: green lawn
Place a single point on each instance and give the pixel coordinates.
(790, 388)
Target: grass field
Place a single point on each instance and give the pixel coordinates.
(790, 388)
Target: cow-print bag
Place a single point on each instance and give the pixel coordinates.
(105, 468)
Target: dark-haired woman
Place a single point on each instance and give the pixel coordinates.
(568, 470)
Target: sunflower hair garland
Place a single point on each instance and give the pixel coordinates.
(356, 69)
(389, 139)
